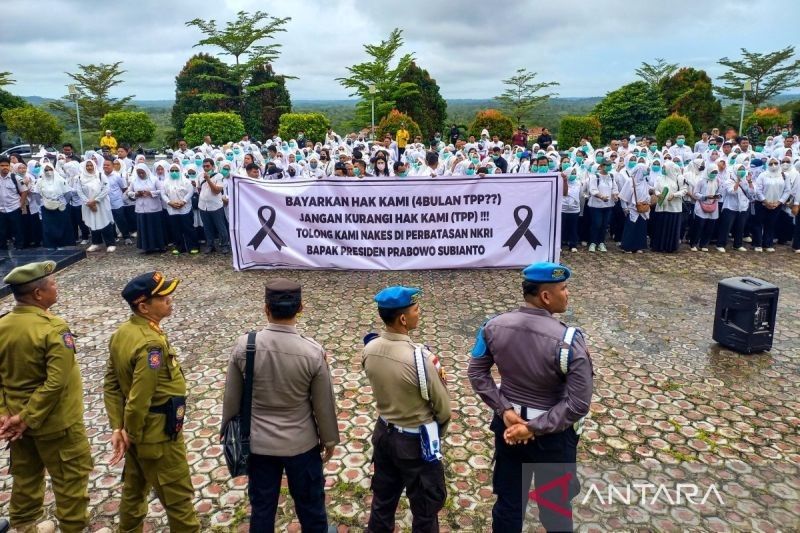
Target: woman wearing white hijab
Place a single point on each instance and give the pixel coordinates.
(635, 200)
(54, 191)
(96, 210)
(176, 195)
(72, 171)
(670, 188)
(31, 219)
(707, 193)
(770, 189)
(145, 189)
(738, 190)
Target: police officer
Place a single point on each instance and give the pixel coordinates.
(145, 396)
(293, 415)
(413, 408)
(41, 405)
(545, 391)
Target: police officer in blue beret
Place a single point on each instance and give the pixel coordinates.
(413, 412)
(544, 395)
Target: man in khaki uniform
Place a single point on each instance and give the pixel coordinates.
(293, 419)
(410, 393)
(145, 396)
(41, 405)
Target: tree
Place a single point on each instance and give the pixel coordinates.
(132, 127)
(239, 39)
(222, 127)
(494, 121)
(202, 86)
(8, 101)
(689, 92)
(770, 73)
(313, 125)
(635, 108)
(654, 74)
(428, 109)
(94, 84)
(672, 126)
(573, 128)
(35, 125)
(391, 123)
(771, 120)
(264, 107)
(378, 73)
(520, 99)
(5, 79)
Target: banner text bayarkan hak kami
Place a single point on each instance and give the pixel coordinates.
(393, 201)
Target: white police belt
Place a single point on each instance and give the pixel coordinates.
(412, 431)
(529, 413)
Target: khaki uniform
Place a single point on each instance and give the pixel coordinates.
(40, 380)
(143, 372)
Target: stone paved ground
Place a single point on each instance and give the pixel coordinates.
(663, 389)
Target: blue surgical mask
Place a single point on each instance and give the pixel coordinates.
(475, 160)
(470, 171)
(225, 171)
(236, 151)
(680, 142)
(542, 169)
(36, 170)
(229, 157)
(565, 166)
(741, 173)
(631, 164)
(572, 177)
(656, 169)
(185, 162)
(356, 171)
(551, 165)
(579, 159)
(174, 174)
(198, 162)
(404, 173)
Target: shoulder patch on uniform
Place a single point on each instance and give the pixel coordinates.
(154, 358)
(69, 340)
(479, 348)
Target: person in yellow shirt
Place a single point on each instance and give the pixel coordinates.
(108, 141)
(402, 138)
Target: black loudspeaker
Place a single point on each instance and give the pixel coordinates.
(744, 319)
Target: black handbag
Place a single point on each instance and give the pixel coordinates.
(236, 433)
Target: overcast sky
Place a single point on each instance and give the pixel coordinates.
(590, 48)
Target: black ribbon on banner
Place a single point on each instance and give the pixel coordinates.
(522, 230)
(266, 230)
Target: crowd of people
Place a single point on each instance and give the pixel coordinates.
(631, 191)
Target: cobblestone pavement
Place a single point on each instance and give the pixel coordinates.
(664, 391)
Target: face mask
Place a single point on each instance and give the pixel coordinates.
(470, 171)
(229, 157)
(786, 166)
(174, 175)
(712, 147)
(298, 157)
(446, 155)
(542, 169)
(475, 160)
(759, 149)
(192, 175)
(579, 159)
(551, 165)
(185, 162)
(356, 171)
(37, 170)
(237, 152)
(198, 162)
(404, 173)
(598, 159)
(564, 166)
(681, 142)
(225, 172)
(48, 173)
(313, 164)
(712, 176)
(741, 173)
(784, 134)
(653, 147)
(572, 177)
(656, 169)
(495, 157)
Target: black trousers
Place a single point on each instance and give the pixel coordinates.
(399, 465)
(569, 229)
(107, 235)
(731, 221)
(121, 222)
(183, 232)
(11, 227)
(548, 459)
(79, 228)
(306, 485)
(764, 226)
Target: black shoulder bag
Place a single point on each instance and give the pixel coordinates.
(236, 433)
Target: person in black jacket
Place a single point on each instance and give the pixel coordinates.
(544, 140)
(499, 160)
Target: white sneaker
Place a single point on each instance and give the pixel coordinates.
(592, 248)
(797, 251)
(703, 249)
(602, 247)
(93, 248)
(575, 250)
(758, 249)
(111, 249)
(583, 243)
(770, 250)
(84, 242)
(741, 249)
(720, 249)
(693, 248)
(128, 241)
(748, 239)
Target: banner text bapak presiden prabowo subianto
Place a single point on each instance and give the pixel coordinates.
(400, 224)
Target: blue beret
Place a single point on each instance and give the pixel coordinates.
(546, 273)
(397, 297)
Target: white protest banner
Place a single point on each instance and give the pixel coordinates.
(396, 224)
